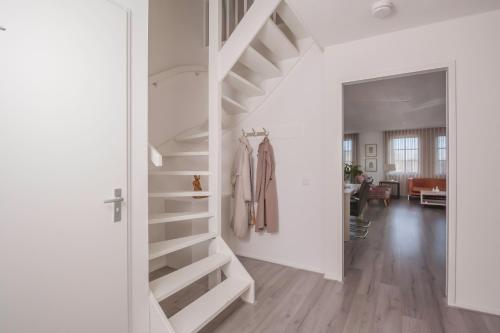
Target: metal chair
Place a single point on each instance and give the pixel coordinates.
(358, 227)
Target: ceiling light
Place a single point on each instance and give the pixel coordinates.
(382, 9)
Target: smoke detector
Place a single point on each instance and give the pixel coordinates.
(382, 9)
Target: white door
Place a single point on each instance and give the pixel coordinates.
(63, 151)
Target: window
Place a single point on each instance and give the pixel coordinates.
(347, 151)
(405, 152)
(441, 155)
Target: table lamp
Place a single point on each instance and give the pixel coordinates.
(389, 168)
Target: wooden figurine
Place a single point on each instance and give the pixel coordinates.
(197, 186)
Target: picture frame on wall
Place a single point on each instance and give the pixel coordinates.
(371, 150)
(371, 165)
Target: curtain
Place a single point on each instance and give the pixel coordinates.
(350, 150)
(420, 153)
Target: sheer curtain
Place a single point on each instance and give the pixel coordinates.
(350, 148)
(416, 153)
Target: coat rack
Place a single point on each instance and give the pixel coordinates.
(253, 132)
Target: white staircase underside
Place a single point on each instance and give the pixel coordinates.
(275, 40)
(255, 61)
(243, 85)
(158, 249)
(171, 283)
(197, 314)
(233, 107)
(177, 217)
(292, 22)
(179, 194)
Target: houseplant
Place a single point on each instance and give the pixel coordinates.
(351, 171)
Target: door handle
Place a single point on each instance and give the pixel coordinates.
(117, 205)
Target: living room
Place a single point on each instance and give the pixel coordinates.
(395, 169)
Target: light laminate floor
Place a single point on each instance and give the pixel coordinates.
(395, 282)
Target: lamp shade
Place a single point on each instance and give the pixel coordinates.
(389, 167)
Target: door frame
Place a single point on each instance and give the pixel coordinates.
(137, 166)
(451, 131)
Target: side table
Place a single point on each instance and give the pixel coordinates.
(392, 184)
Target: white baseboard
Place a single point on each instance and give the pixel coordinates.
(486, 310)
(280, 262)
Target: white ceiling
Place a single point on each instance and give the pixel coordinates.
(338, 21)
(416, 101)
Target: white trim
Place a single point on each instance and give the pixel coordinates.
(450, 67)
(281, 262)
(460, 305)
(137, 170)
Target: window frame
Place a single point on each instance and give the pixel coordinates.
(414, 162)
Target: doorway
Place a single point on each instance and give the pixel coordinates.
(395, 150)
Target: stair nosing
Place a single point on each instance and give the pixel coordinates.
(169, 284)
(179, 173)
(235, 103)
(258, 90)
(186, 315)
(180, 194)
(176, 244)
(183, 216)
(283, 36)
(276, 70)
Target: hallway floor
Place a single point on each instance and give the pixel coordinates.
(395, 282)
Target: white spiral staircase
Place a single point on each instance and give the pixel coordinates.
(262, 44)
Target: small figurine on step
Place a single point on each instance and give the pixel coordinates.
(197, 186)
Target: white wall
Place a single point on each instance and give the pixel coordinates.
(372, 138)
(293, 114)
(473, 43)
(176, 30)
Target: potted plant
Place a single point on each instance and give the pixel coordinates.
(351, 171)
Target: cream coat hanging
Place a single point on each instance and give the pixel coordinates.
(242, 181)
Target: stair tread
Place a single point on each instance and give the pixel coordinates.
(197, 314)
(233, 107)
(179, 194)
(193, 137)
(178, 216)
(275, 40)
(169, 284)
(161, 248)
(243, 85)
(187, 154)
(255, 61)
(179, 172)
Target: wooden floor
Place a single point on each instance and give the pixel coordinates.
(395, 282)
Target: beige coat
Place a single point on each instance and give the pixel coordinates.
(265, 191)
(242, 181)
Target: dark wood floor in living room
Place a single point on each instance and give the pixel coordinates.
(395, 282)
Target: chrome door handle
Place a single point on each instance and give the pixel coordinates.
(113, 200)
(117, 205)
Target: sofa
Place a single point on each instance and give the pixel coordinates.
(416, 185)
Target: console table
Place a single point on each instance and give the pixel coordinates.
(391, 183)
(432, 198)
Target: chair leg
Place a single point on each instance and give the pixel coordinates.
(386, 203)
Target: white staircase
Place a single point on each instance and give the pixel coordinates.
(260, 49)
